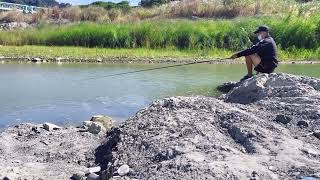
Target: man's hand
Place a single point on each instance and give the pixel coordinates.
(234, 56)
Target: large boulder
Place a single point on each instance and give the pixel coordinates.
(50, 126)
(273, 85)
(106, 121)
(94, 127)
(233, 138)
(98, 124)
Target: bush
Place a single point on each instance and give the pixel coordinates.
(14, 16)
(72, 13)
(123, 5)
(150, 3)
(95, 14)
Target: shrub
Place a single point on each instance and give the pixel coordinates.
(95, 14)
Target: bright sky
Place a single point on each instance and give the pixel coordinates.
(78, 2)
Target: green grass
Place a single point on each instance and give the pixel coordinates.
(290, 32)
(83, 53)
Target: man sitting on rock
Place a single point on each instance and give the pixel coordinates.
(263, 55)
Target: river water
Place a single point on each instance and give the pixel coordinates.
(62, 93)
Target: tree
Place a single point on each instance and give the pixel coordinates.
(110, 5)
(149, 3)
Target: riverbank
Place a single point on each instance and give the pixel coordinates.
(136, 55)
(266, 127)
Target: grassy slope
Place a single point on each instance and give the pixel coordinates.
(81, 52)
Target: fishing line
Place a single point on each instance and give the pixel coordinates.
(152, 69)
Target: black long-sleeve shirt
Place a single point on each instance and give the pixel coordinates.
(266, 49)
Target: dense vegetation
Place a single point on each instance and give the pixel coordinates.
(290, 33)
(149, 3)
(110, 5)
(295, 26)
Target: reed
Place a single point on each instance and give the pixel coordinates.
(290, 33)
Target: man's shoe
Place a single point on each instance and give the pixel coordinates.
(246, 77)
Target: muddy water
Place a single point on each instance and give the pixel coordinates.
(62, 94)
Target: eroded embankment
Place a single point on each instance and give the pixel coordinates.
(265, 127)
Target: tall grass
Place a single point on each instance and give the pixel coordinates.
(176, 9)
(290, 32)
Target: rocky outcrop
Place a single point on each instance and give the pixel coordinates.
(274, 86)
(252, 132)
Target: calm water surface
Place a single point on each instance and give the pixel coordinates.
(60, 94)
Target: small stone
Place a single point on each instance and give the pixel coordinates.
(50, 126)
(271, 168)
(254, 176)
(310, 152)
(87, 123)
(58, 58)
(36, 60)
(123, 170)
(35, 129)
(317, 134)
(303, 123)
(6, 178)
(283, 119)
(93, 170)
(296, 173)
(78, 176)
(93, 176)
(96, 128)
(105, 120)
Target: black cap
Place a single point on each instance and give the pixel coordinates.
(262, 28)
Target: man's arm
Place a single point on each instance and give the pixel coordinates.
(252, 50)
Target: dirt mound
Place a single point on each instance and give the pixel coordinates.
(30, 152)
(264, 128)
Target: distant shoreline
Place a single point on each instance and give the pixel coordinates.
(71, 54)
(135, 60)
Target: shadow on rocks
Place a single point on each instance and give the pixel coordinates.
(103, 154)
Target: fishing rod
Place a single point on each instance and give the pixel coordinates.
(157, 68)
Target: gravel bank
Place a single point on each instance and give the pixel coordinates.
(265, 127)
